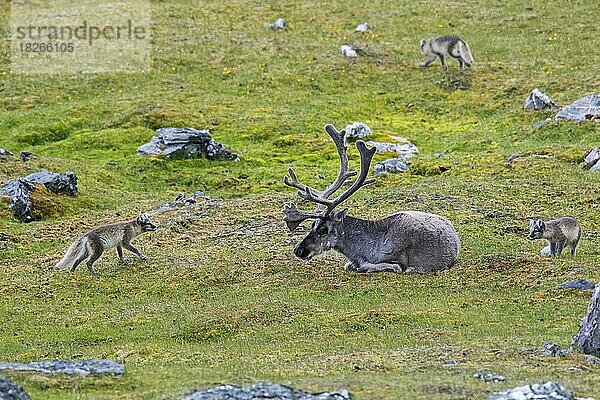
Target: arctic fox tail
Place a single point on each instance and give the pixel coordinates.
(77, 251)
(465, 53)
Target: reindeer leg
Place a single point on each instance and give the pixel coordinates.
(379, 267)
(350, 266)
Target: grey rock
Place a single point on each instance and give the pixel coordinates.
(11, 391)
(593, 360)
(554, 350)
(279, 24)
(5, 155)
(538, 100)
(587, 339)
(392, 165)
(592, 159)
(56, 183)
(586, 108)
(489, 377)
(362, 28)
(580, 284)
(262, 391)
(83, 367)
(403, 150)
(185, 143)
(348, 51)
(357, 130)
(541, 123)
(548, 391)
(181, 200)
(450, 363)
(546, 252)
(26, 156)
(20, 190)
(514, 157)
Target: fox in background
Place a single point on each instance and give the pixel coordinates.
(449, 45)
(104, 237)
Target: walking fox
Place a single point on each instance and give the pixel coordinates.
(449, 45)
(93, 243)
(557, 232)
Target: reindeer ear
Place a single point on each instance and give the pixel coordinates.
(292, 225)
(422, 42)
(339, 216)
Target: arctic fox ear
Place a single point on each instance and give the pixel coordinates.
(422, 42)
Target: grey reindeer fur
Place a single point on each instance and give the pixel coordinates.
(408, 241)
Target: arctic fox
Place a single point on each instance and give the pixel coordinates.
(449, 45)
(93, 243)
(557, 232)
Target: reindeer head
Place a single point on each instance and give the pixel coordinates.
(324, 229)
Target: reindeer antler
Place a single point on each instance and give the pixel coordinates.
(294, 216)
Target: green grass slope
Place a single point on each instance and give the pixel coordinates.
(222, 298)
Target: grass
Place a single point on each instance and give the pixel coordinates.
(222, 298)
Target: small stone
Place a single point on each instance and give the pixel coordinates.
(348, 51)
(548, 391)
(279, 24)
(514, 157)
(392, 165)
(541, 123)
(538, 100)
(264, 390)
(5, 155)
(26, 156)
(580, 284)
(585, 108)
(593, 360)
(489, 377)
(357, 130)
(83, 367)
(364, 27)
(450, 363)
(11, 391)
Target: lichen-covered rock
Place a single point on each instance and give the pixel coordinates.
(579, 284)
(538, 100)
(586, 108)
(263, 391)
(11, 391)
(587, 340)
(348, 51)
(489, 377)
(362, 28)
(279, 24)
(19, 190)
(392, 165)
(547, 391)
(185, 143)
(83, 367)
(5, 155)
(592, 159)
(357, 130)
(403, 150)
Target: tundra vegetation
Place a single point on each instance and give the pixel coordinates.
(222, 298)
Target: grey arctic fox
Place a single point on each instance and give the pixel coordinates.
(558, 233)
(104, 237)
(449, 45)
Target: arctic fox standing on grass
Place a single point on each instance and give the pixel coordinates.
(557, 232)
(449, 45)
(93, 243)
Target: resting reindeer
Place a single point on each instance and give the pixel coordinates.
(409, 241)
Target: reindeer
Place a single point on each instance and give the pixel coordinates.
(408, 241)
